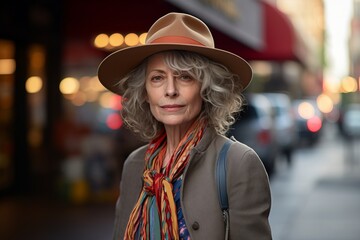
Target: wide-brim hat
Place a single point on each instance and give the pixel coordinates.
(174, 31)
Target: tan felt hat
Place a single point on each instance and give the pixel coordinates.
(174, 31)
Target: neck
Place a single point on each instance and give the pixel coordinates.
(174, 134)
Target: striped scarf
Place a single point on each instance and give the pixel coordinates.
(154, 215)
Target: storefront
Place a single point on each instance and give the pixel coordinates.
(30, 64)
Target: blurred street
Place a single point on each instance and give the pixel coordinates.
(316, 198)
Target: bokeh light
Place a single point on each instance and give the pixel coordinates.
(325, 103)
(348, 84)
(131, 39)
(106, 100)
(7, 66)
(314, 124)
(306, 110)
(33, 84)
(114, 121)
(101, 40)
(116, 40)
(69, 85)
(142, 38)
(116, 102)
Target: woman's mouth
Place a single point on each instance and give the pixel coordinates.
(172, 107)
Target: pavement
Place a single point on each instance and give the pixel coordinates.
(332, 209)
(41, 218)
(320, 199)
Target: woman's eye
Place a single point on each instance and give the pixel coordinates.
(185, 77)
(156, 78)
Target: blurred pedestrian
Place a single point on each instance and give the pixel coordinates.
(180, 94)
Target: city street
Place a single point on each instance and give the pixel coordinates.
(317, 198)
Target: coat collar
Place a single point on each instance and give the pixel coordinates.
(205, 141)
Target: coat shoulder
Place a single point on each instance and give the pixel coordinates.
(137, 155)
(244, 158)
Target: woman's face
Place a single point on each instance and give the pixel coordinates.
(174, 98)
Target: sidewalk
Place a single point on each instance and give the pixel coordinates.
(331, 210)
(43, 219)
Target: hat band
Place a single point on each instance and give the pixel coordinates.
(177, 39)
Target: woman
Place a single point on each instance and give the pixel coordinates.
(180, 93)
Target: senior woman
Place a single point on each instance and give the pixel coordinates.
(180, 94)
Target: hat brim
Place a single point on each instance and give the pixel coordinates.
(115, 66)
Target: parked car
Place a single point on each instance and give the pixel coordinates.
(284, 123)
(254, 127)
(309, 121)
(351, 121)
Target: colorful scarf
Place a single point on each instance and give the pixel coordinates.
(154, 215)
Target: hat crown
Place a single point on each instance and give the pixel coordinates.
(179, 28)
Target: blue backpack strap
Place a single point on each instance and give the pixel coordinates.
(220, 175)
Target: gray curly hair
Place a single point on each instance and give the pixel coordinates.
(220, 91)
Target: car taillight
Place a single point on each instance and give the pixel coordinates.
(264, 137)
(314, 124)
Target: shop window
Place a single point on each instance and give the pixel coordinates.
(36, 94)
(7, 69)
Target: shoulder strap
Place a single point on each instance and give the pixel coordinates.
(221, 176)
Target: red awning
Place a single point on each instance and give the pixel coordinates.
(281, 40)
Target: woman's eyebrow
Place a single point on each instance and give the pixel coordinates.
(154, 70)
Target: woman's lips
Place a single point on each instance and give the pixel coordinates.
(172, 107)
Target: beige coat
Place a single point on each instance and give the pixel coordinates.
(247, 187)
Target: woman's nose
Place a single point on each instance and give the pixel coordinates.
(171, 89)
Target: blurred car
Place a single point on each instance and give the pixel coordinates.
(351, 121)
(284, 123)
(254, 127)
(309, 121)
